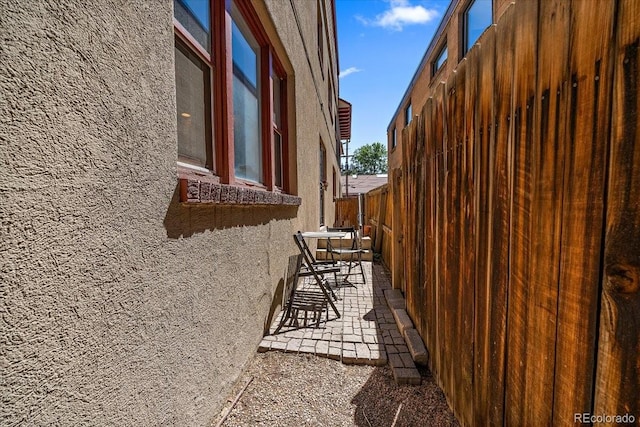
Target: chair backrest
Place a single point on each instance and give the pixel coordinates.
(307, 256)
(355, 243)
(304, 249)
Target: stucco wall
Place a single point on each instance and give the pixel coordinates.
(121, 306)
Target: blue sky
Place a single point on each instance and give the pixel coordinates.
(380, 45)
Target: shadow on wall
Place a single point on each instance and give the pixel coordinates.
(276, 305)
(182, 220)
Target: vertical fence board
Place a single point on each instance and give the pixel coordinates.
(482, 316)
(397, 254)
(583, 207)
(618, 372)
(500, 199)
(547, 209)
(430, 237)
(406, 209)
(418, 220)
(412, 262)
(451, 249)
(442, 346)
(524, 86)
(381, 218)
(469, 231)
(463, 300)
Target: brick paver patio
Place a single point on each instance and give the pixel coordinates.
(365, 333)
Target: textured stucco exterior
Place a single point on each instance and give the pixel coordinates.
(120, 305)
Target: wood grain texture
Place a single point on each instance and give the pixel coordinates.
(585, 149)
(468, 225)
(520, 218)
(618, 371)
(524, 87)
(551, 113)
(482, 316)
(430, 264)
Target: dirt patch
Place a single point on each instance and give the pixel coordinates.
(304, 390)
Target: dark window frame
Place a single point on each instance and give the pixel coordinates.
(464, 27)
(394, 138)
(435, 69)
(320, 34)
(219, 141)
(408, 111)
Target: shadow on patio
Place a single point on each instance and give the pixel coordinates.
(289, 385)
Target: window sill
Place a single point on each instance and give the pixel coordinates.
(208, 190)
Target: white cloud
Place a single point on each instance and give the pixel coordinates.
(401, 13)
(348, 71)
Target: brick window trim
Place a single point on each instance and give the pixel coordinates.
(202, 190)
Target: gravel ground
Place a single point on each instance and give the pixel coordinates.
(304, 390)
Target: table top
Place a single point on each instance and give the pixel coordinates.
(325, 234)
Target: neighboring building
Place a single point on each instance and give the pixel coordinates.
(462, 24)
(157, 158)
(353, 185)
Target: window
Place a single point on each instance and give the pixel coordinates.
(231, 105)
(477, 17)
(335, 184)
(323, 179)
(320, 28)
(330, 98)
(323, 163)
(394, 141)
(246, 101)
(440, 60)
(192, 100)
(279, 114)
(407, 114)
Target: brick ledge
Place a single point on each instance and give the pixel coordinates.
(197, 191)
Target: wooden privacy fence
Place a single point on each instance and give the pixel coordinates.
(378, 215)
(347, 212)
(521, 218)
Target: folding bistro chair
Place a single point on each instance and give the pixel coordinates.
(300, 300)
(321, 267)
(353, 253)
(311, 268)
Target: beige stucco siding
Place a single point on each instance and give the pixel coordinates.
(121, 306)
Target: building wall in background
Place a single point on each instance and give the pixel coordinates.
(425, 79)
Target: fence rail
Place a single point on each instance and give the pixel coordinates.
(516, 218)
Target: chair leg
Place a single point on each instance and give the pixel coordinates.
(364, 279)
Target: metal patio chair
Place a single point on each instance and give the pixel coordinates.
(309, 267)
(353, 253)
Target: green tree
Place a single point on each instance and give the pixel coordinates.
(369, 159)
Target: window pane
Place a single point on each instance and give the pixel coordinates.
(246, 105)
(277, 142)
(407, 115)
(194, 15)
(191, 75)
(277, 104)
(442, 57)
(477, 18)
